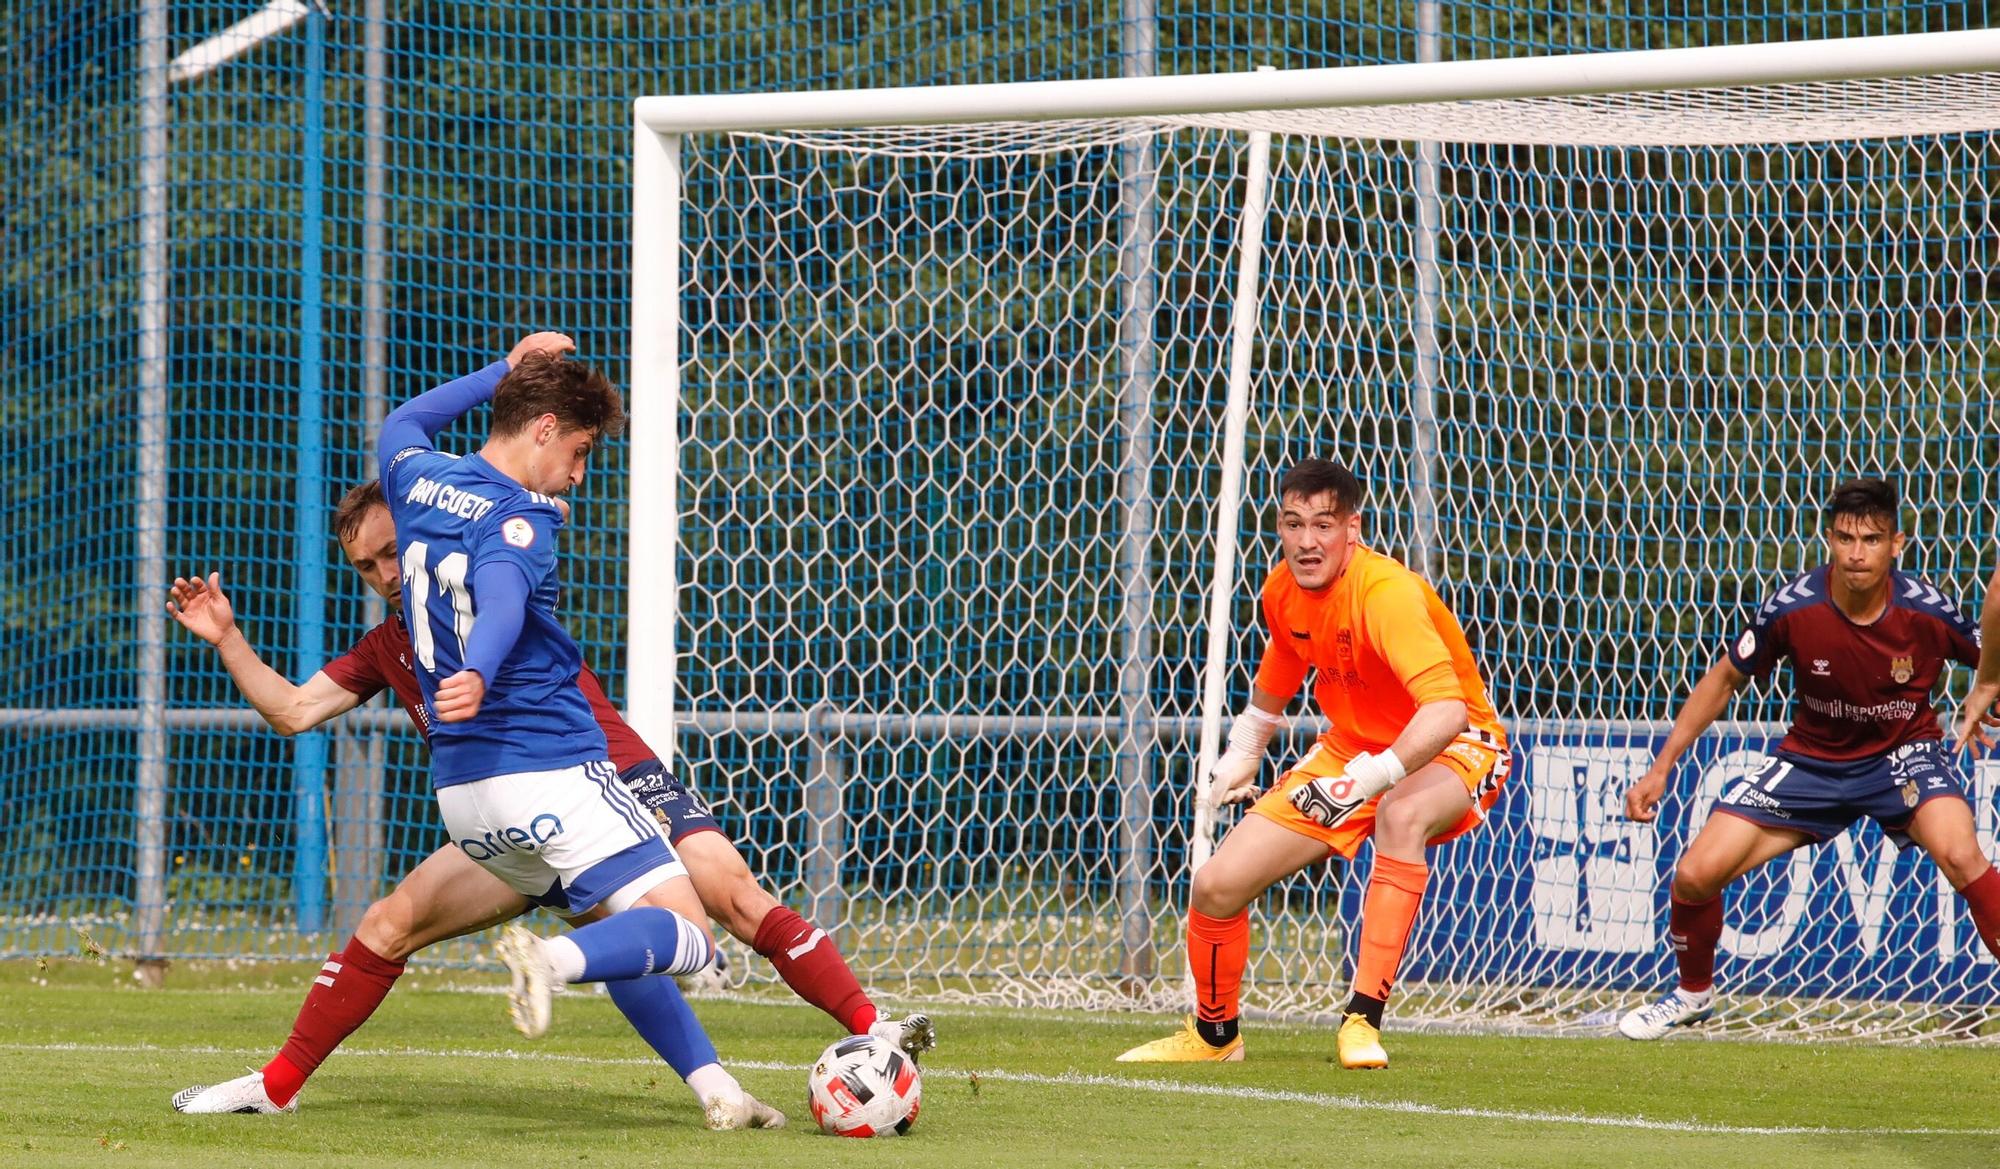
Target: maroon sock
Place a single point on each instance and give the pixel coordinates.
(1983, 895)
(1694, 927)
(811, 965)
(347, 990)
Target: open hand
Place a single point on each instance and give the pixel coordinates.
(1976, 716)
(202, 607)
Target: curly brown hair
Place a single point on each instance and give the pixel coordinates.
(580, 397)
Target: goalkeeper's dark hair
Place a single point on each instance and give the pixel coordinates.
(1312, 477)
(1866, 499)
(580, 397)
(354, 507)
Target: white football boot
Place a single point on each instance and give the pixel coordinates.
(534, 980)
(1679, 1008)
(722, 1114)
(242, 1094)
(915, 1034)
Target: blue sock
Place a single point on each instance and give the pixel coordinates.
(662, 1018)
(640, 941)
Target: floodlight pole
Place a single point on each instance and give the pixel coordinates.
(1138, 741)
(1425, 555)
(360, 751)
(150, 536)
(150, 798)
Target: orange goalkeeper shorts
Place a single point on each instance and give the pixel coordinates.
(1477, 757)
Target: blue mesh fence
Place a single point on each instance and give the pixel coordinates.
(493, 199)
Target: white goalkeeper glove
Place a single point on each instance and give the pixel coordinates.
(1333, 798)
(1235, 775)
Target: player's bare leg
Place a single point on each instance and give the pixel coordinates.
(723, 882)
(1727, 847)
(1430, 802)
(804, 955)
(1943, 827)
(446, 896)
(1256, 854)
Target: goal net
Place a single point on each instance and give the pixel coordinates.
(951, 467)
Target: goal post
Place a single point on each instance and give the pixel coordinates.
(1721, 67)
(944, 400)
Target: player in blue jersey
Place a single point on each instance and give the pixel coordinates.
(1867, 645)
(449, 894)
(522, 771)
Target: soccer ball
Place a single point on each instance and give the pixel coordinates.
(864, 1086)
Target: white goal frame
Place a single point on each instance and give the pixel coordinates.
(661, 122)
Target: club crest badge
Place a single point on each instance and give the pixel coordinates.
(1910, 794)
(1902, 669)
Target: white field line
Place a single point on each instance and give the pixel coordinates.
(1077, 1079)
(1283, 1022)
(1119, 1018)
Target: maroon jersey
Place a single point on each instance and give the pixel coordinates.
(382, 659)
(1860, 690)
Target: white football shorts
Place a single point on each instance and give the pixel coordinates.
(578, 830)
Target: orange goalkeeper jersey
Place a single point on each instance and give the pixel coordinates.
(1383, 644)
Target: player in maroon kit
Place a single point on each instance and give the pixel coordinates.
(1867, 645)
(449, 894)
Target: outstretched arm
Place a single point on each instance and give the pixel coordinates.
(1986, 683)
(1710, 697)
(204, 610)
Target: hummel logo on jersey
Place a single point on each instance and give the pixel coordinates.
(1797, 590)
(806, 947)
(1920, 590)
(1820, 668)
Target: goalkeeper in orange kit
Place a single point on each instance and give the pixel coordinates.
(1414, 757)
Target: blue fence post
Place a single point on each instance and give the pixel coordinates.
(309, 554)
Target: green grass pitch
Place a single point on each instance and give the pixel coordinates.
(437, 1079)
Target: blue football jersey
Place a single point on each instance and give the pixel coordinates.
(459, 521)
